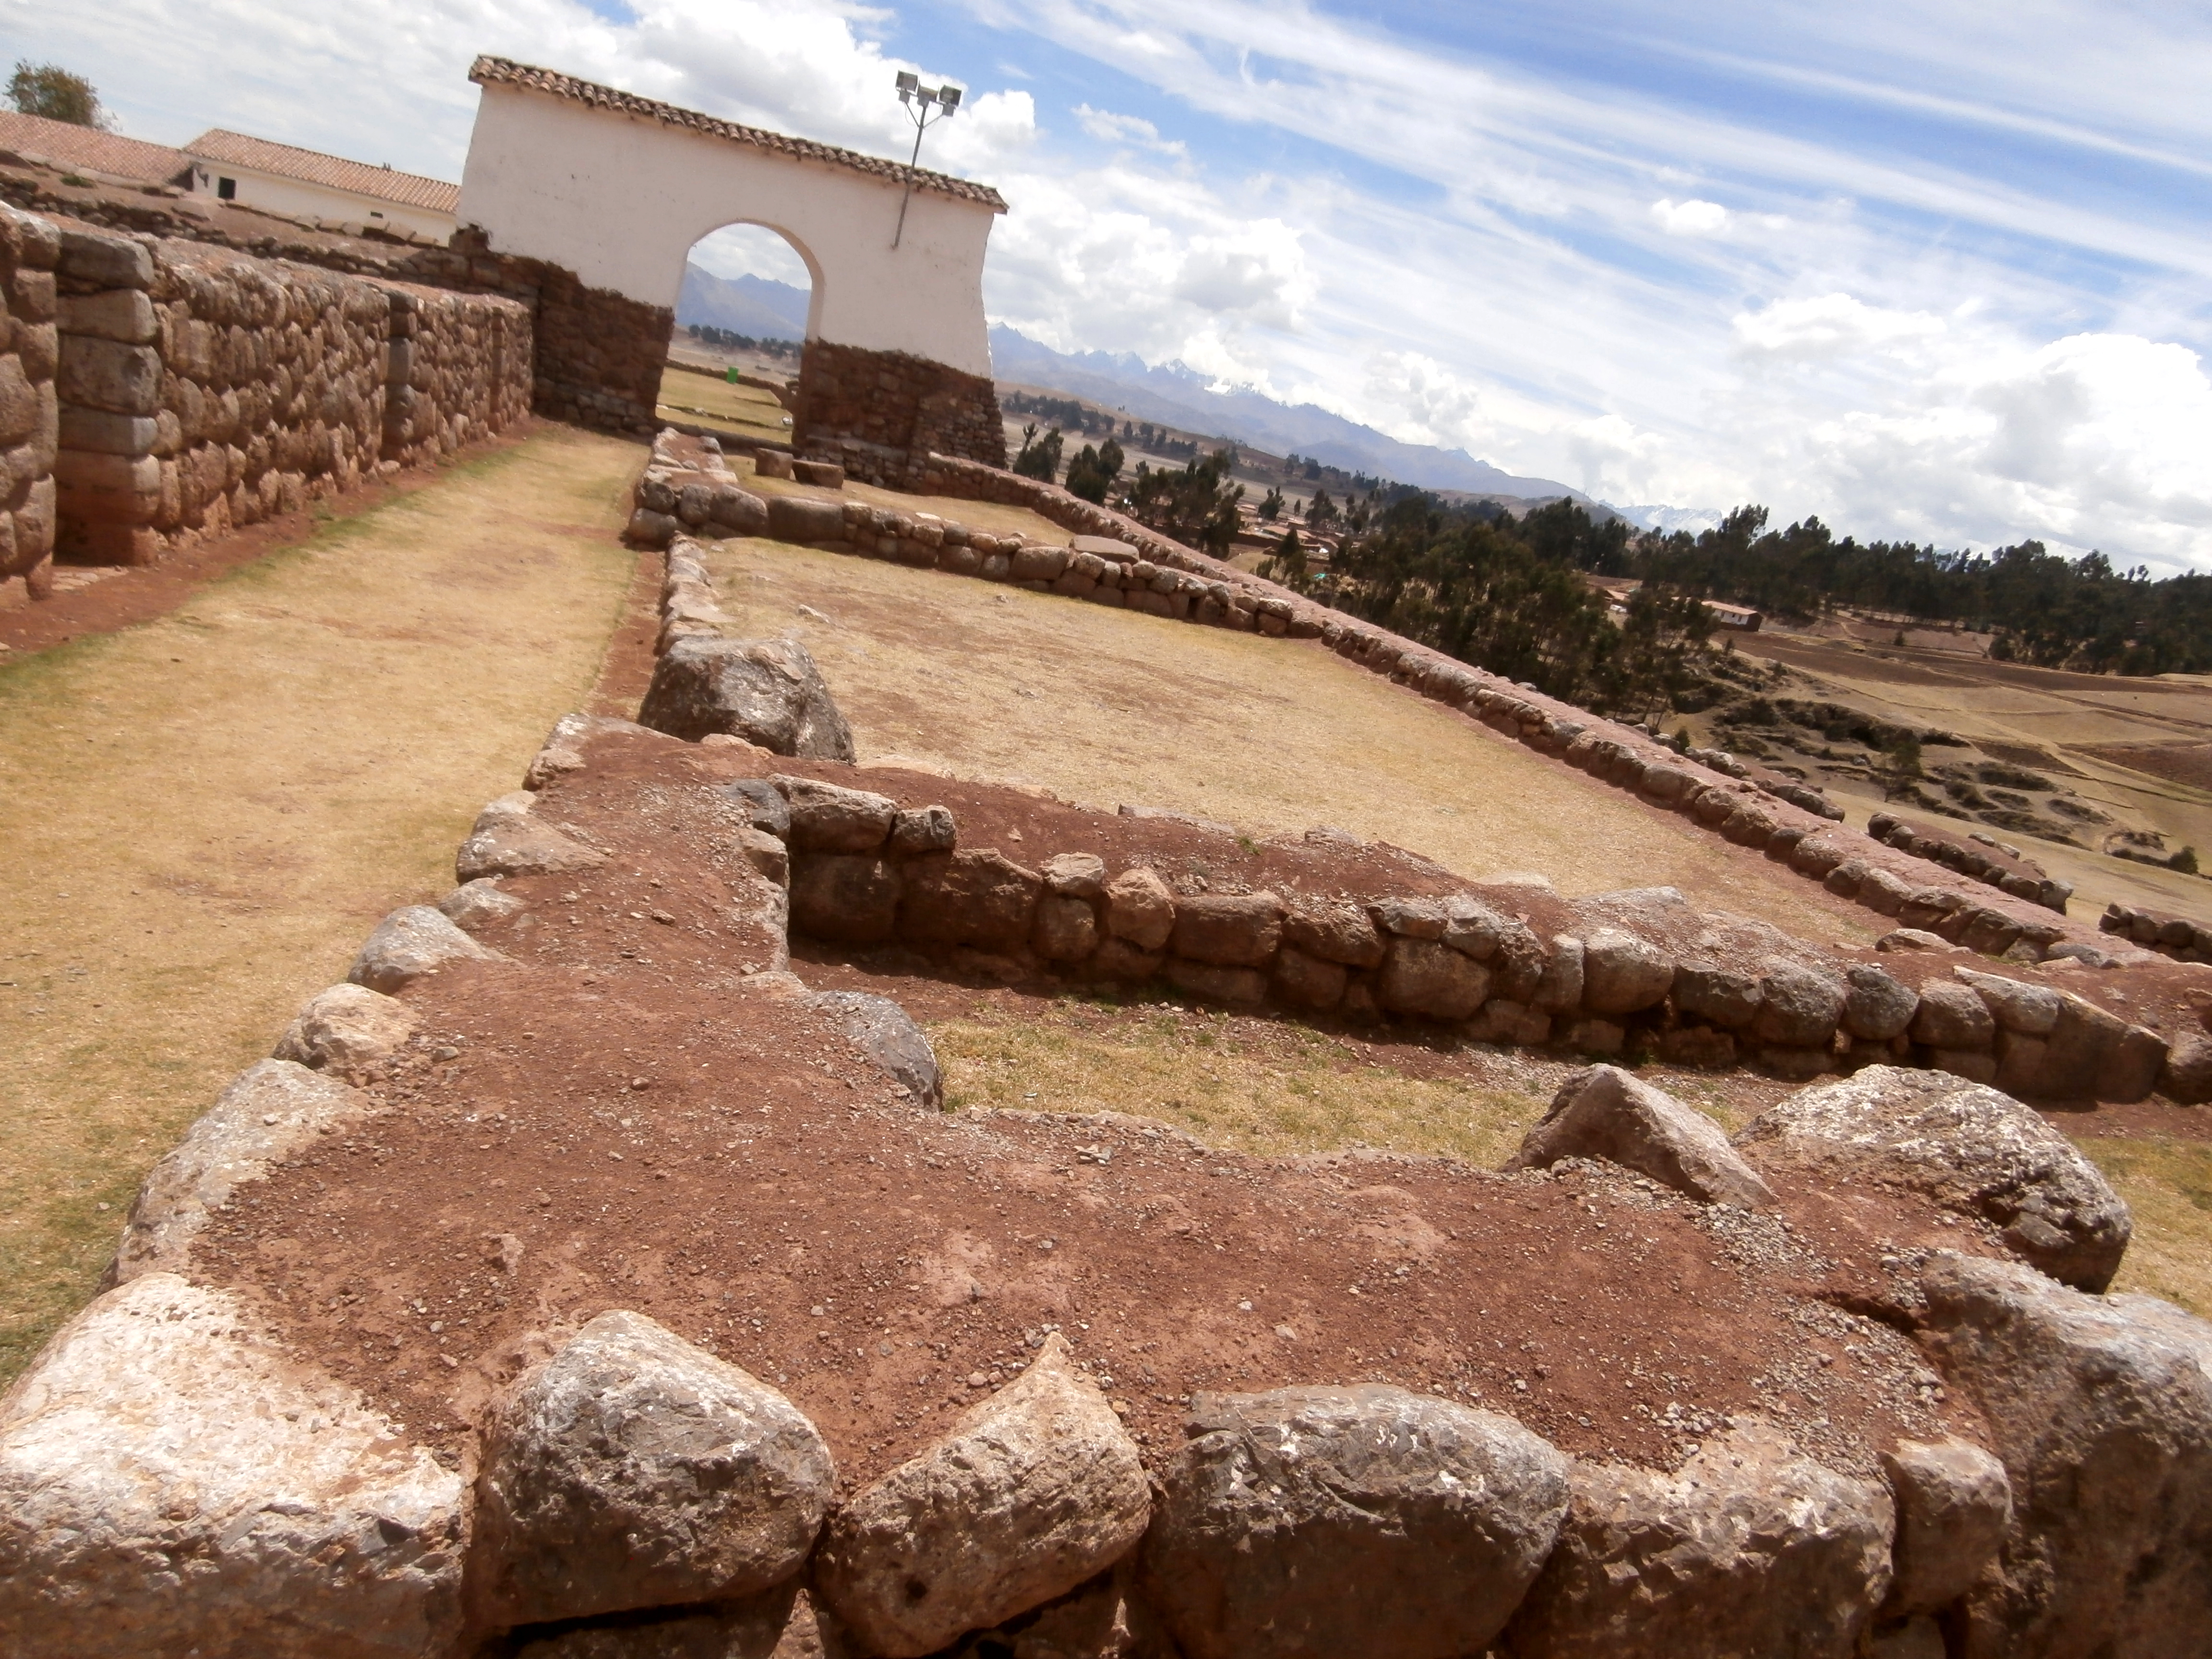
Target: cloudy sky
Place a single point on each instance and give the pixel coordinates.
(1935, 269)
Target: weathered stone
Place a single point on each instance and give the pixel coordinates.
(1704, 1047)
(1246, 985)
(739, 512)
(1117, 959)
(1428, 977)
(1560, 990)
(2101, 1410)
(172, 1482)
(827, 818)
(1305, 981)
(568, 744)
(348, 1029)
(776, 1624)
(1066, 928)
(1227, 930)
(761, 805)
(850, 897)
(2030, 1009)
(1726, 997)
(509, 839)
(1911, 938)
(409, 942)
(2186, 1079)
(478, 903)
(1140, 909)
(1622, 973)
(1333, 930)
(1605, 1112)
(1411, 918)
(1318, 1522)
(924, 830)
(977, 898)
(2132, 1067)
(1752, 1549)
(268, 1112)
(1075, 875)
(1594, 1038)
(805, 521)
(634, 1470)
(1952, 1017)
(887, 1035)
(1953, 1507)
(1799, 1006)
(1033, 1492)
(2081, 1043)
(1968, 1147)
(1880, 1006)
(766, 691)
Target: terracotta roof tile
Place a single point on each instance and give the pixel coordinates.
(70, 145)
(314, 168)
(487, 72)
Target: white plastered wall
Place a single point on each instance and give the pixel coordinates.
(620, 199)
(296, 198)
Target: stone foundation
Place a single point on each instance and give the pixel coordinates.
(28, 417)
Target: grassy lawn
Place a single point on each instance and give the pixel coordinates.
(205, 814)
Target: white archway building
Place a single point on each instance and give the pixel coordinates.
(617, 188)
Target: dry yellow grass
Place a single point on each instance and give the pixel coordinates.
(704, 400)
(979, 515)
(2168, 1185)
(1106, 706)
(205, 814)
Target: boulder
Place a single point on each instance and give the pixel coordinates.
(1623, 974)
(1799, 1006)
(1751, 1550)
(1033, 1492)
(348, 1030)
(633, 1470)
(1075, 875)
(766, 691)
(805, 519)
(924, 830)
(510, 839)
(1727, 999)
(475, 903)
(1140, 909)
(2101, 1410)
(409, 942)
(977, 898)
(887, 1035)
(1912, 939)
(827, 818)
(1305, 981)
(272, 1110)
(1969, 1148)
(1066, 928)
(1428, 977)
(1227, 930)
(2186, 1079)
(1605, 1112)
(1952, 1016)
(1560, 990)
(1320, 1522)
(774, 1625)
(2082, 1041)
(1203, 978)
(1953, 1507)
(760, 805)
(1879, 1006)
(172, 1482)
(2030, 1009)
(1333, 930)
(850, 897)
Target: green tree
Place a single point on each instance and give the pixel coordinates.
(1288, 564)
(1320, 511)
(1271, 507)
(51, 91)
(1196, 506)
(1094, 472)
(1899, 769)
(1040, 456)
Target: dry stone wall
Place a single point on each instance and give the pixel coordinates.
(688, 487)
(880, 415)
(201, 389)
(29, 412)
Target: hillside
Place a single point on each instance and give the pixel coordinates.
(744, 305)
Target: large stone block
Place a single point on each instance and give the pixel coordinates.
(1604, 1112)
(766, 691)
(975, 896)
(1227, 930)
(123, 379)
(1428, 977)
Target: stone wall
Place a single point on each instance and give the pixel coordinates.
(29, 347)
(201, 389)
(878, 413)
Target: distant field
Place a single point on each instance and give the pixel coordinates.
(703, 400)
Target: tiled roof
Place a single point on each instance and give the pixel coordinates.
(70, 145)
(312, 167)
(489, 71)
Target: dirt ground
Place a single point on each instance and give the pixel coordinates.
(206, 810)
(1108, 707)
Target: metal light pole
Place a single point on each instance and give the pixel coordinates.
(923, 104)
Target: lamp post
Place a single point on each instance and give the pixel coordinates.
(923, 104)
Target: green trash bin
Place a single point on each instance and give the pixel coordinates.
(730, 374)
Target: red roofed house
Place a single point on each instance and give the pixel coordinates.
(74, 149)
(306, 184)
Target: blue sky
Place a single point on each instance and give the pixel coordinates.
(1935, 271)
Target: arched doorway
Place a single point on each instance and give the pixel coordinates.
(749, 299)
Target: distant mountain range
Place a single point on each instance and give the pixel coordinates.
(756, 306)
(1179, 396)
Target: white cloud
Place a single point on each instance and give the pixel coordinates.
(1134, 130)
(1690, 218)
(1828, 326)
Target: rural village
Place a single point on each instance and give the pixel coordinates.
(677, 992)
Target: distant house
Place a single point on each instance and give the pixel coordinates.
(109, 156)
(1735, 616)
(306, 184)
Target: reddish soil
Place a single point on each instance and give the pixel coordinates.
(125, 596)
(623, 1119)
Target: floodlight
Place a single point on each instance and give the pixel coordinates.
(922, 104)
(907, 82)
(950, 97)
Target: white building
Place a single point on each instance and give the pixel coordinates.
(328, 189)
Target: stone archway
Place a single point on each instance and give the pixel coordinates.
(617, 188)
